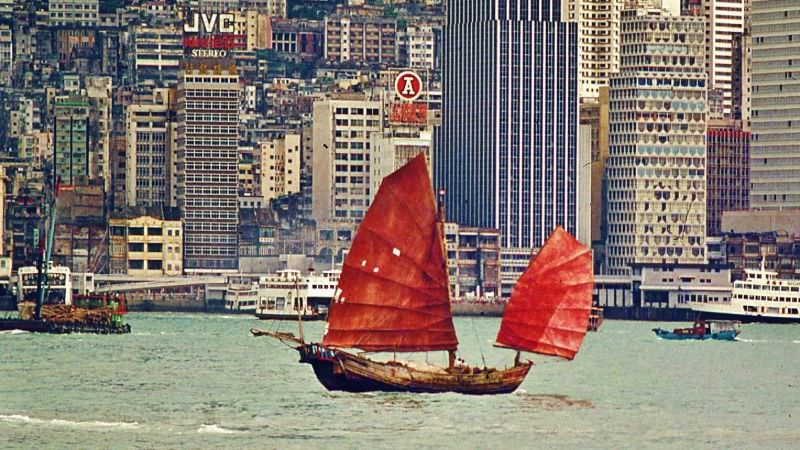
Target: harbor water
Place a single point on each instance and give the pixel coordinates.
(202, 381)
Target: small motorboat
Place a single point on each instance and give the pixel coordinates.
(725, 330)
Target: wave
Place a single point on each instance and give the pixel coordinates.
(14, 332)
(216, 429)
(95, 424)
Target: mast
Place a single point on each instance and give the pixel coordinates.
(451, 354)
(299, 310)
(44, 259)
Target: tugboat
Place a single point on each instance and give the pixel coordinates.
(45, 300)
(724, 330)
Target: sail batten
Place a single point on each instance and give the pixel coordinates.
(549, 309)
(393, 292)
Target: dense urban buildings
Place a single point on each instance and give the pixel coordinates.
(775, 155)
(259, 131)
(507, 152)
(657, 157)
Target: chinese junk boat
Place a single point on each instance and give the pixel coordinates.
(393, 296)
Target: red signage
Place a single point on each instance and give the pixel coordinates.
(219, 41)
(410, 113)
(408, 85)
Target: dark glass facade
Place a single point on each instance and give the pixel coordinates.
(507, 150)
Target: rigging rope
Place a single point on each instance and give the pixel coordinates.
(478, 340)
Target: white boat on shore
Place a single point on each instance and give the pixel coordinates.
(761, 297)
(241, 295)
(289, 295)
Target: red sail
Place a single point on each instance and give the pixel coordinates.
(549, 309)
(393, 291)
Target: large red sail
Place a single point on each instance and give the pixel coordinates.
(549, 309)
(393, 291)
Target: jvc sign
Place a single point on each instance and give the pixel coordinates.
(211, 35)
(210, 23)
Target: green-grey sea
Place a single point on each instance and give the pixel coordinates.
(202, 381)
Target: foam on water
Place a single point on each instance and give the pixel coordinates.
(216, 429)
(14, 332)
(20, 418)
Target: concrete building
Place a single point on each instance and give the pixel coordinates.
(145, 246)
(74, 13)
(473, 262)
(280, 166)
(395, 146)
(728, 172)
(99, 94)
(71, 139)
(741, 84)
(360, 40)
(422, 50)
(157, 54)
(507, 152)
(341, 136)
(207, 166)
(6, 55)
(775, 155)
(657, 157)
(298, 39)
(151, 133)
(725, 21)
(598, 37)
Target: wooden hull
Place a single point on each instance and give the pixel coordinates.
(338, 370)
(280, 316)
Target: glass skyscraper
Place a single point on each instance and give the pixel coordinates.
(507, 152)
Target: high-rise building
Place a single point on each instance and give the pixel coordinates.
(71, 139)
(656, 208)
(725, 20)
(507, 152)
(208, 139)
(341, 141)
(728, 171)
(421, 46)
(775, 121)
(280, 166)
(150, 135)
(598, 41)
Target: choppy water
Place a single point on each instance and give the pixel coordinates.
(201, 381)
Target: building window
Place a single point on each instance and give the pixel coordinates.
(154, 247)
(135, 231)
(136, 247)
(136, 264)
(154, 231)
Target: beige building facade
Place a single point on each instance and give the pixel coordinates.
(146, 246)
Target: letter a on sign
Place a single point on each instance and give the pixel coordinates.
(408, 85)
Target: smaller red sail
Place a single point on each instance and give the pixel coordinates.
(549, 309)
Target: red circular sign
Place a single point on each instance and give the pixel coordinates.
(408, 85)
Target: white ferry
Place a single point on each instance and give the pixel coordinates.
(241, 295)
(288, 295)
(760, 297)
(58, 284)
